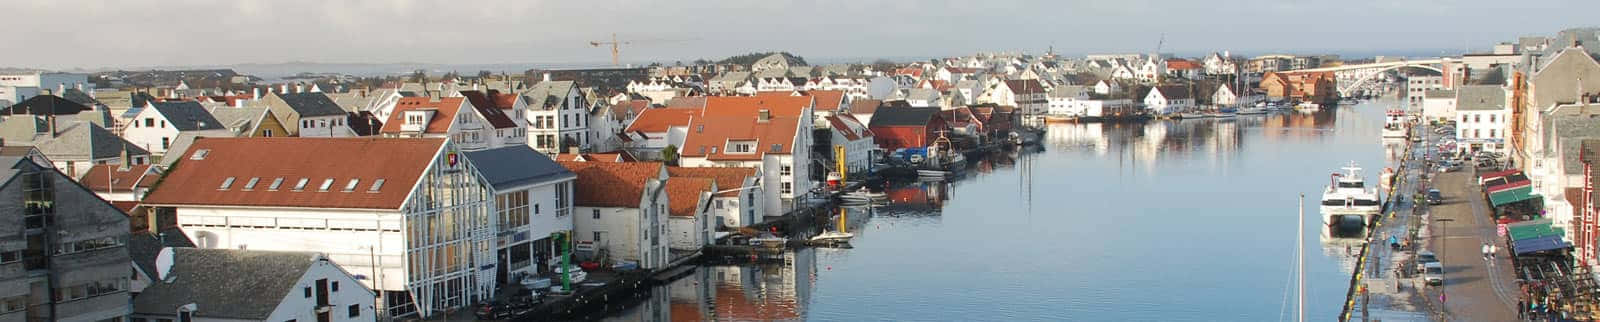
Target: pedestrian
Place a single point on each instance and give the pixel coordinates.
(1493, 251)
(1485, 251)
(1522, 309)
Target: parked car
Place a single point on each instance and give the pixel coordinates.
(1434, 197)
(1433, 273)
(1423, 258)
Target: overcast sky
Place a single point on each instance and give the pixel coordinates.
(125, 33)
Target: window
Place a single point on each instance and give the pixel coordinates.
(596, 213)
(355, 310)
(307, 291)
(719, 204)
(328, 183)
(1475, 133)
(226, 182)
(1476, 118)
(165, 142)
(163, 124)
(376, 185)
(275, 183)
(1491, 118)
(149, 122)
(266, 133)
(1491, 133)
(333, 286)
(785, 170)
(597, 237)
(787, 188)
(351, 186)
(301, 185)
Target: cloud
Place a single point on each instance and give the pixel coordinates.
(64, 34)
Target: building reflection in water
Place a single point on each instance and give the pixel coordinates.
(917, 198)
(771, 291)
(1217, 140)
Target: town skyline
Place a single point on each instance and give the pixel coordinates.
(538, 32)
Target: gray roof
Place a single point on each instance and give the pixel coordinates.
(1439, 93)
(1572, 129)
(1480, 98)
(181, 143)
(144, 246)
(226, 283)
(1068, 91)
(238, 119)
(187, 116)
(78, 96)
(926, 94)
(75, 140)
(547, 94)
(311, 104)
(517, 165)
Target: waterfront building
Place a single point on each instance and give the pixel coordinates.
(737, 202)
(1167, 99)
(771, 133)
(852, 134)
(896, 128)
(558, 112)
(1066, 101)
(309, 114)
(689, 222)
(512, 107)
(1417, 85)
(1482, 119)
(252, 285)
(1026, 94)
(1229, 95)
(1184, 69)
(1220, 64)
(469, 127)
(62, 248)
(1106, 87)
(532, 203)
(621, 212)
(412, 212)
(1316, 87)
(157, 126)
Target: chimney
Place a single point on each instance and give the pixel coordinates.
(572, 150)
(79, 86)
(283, 88)
(61, 88)
(546, 76)
(298, 88)
(255, 93)
(50, 124)
(764, 115)
(127, 161)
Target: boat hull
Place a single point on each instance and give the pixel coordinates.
(1332, 214)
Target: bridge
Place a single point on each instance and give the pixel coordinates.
(1355, 77)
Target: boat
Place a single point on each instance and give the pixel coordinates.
(1221, 114)
(1385, 180)
(1190, 115)
(1394, 125)
(1307, 107)
(1348, 195)
(931, 173)
(1252, 111)
(833, 236)
(864, 193)
(769, 241)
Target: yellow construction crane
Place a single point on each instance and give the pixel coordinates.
(616, 45)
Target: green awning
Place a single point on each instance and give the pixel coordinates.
(1503, 197)
(1533, 231)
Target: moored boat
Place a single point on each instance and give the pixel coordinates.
(1347, 195)
(1394, 125)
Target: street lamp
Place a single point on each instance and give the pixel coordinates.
(1444, 223)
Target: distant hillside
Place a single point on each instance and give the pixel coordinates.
(751, 58)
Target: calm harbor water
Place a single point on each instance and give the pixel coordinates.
(1168, 220)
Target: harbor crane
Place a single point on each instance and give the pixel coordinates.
(616, 45)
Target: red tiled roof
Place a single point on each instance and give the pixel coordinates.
(1181, 64)
(827, 100)
(686, 102)
(683, 195)
(127, 207)
(503, 101)
(607, 184)
(727, 179)
(866, 106)
(737, 118)
(490, 109)
(621, 111)
(848, 124)
(399, 162)
(660, 119)
(102, 176)
(913, 71)
(442, 119)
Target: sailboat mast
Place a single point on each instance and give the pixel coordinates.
(1300, 262)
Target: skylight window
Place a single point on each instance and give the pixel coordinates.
(228, 182)
(325, 185)
(351, 186)
(249, 185)
(277, 182)
(378, 184)
(301, 185)
(200, 154)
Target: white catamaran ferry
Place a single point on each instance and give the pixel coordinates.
(1347, 195)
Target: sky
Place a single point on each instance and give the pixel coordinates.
(129, 33)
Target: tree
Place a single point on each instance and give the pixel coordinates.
(883, 65)
(419, 76)
(669, 155)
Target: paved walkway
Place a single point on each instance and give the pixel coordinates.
(1474, 289)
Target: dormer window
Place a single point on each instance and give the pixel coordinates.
(741, 146)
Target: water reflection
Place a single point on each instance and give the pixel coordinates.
(1115, 221)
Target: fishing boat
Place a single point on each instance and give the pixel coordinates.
(1307, 107)
(1347, 195)
(1394, 125)
(1191, 115)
